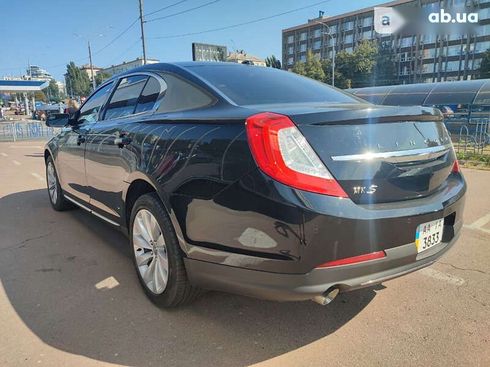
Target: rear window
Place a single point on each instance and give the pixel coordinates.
(252, 85)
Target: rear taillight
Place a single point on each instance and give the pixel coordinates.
(455, 167)
(354, 260)
(283, 153)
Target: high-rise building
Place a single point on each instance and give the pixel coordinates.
(418, 57)
(37, 73)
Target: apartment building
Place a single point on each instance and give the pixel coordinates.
(418, 57)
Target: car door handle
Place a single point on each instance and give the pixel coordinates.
(122, 141)
(80, 139)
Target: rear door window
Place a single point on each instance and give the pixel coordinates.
(149, 96)
(125, 98)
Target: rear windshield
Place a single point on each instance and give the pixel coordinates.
(253, 85)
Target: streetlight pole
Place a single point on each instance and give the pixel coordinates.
(91, 65)
(142, 21)
(325, 48)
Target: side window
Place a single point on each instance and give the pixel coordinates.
(149, 96)
(181, 96)
(90, 109)
(123, 101)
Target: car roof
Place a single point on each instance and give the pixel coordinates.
(175, 67)
(184, 64)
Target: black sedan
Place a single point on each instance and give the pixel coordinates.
(257, 181)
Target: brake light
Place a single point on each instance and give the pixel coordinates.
(354, 259)
(283, 153)
(455, 167)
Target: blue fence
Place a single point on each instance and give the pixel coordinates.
(13, 131)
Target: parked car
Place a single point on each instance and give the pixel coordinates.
(257, 181)
(44, 111)
(447, 111)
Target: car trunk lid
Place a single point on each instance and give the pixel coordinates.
(377, 153)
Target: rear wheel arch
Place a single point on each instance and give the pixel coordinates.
(141, 185)
(47, 154)
(136, 189)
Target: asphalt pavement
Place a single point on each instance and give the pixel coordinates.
(69, 296)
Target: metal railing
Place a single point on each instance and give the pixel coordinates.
(474, 137)
(13, 131)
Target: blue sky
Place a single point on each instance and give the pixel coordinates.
(50, 33)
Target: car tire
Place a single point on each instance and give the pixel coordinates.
(157, 256)
(55, 193)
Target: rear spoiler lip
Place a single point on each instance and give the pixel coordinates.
(368, 114)
(380, 119)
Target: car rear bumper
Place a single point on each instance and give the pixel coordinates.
(296, 287)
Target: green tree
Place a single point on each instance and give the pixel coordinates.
(340, 80)
(299, 68)
(77, 81)
(344, 69)
(101, 77)
(364, 63)
(312, 67)
(272, 62)
(356, 69)
(40, 96)
(385, 71)
(52, 92)
(484, 70)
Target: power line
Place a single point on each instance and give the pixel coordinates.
(240, 24)
(184, 11)
(127, 50)
(84, 59)
(165, 7)
(118, 36)
(96, 52)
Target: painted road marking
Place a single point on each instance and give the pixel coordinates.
(480, 223)
(17, 163)
(107, 283)
(26, 146)
(445, 277)
(4, 154)
(40, 178)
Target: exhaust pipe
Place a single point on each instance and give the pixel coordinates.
(326, 297)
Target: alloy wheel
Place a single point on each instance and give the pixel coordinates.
(52, 183)
(150, 251)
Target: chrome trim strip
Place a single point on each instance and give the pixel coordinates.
(91, 211)
(398, 156)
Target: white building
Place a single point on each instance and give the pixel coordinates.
(61, 87)
(241, 57)
(89, 69)
(125, 66)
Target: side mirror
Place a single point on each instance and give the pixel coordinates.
(57, 120)
(73, 118)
